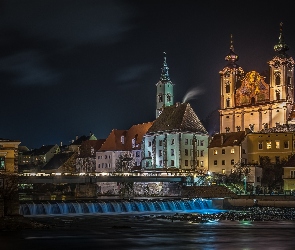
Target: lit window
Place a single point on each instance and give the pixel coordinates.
(215, 151)
(232, 151)
(268, 144)
(223, 171)
(2, 163)
(277, 144)
(202, 163)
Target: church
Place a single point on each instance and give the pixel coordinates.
(249, 100)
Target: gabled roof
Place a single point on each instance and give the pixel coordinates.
(114, 143)
(227, 139)
(43, 150)
(57, 161)
(136, 132)
(79, 140)
(85, 149)
(179, 117)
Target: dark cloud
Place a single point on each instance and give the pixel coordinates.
(28, 68)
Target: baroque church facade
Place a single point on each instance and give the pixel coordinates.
(249, 100)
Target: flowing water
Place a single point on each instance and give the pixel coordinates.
(115, 206)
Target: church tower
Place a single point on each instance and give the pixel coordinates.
(282, 76)
(165, 95)
(230, 80)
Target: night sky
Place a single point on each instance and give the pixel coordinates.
(69, 68)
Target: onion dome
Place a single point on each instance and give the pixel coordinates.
(281, 47)
(232, 57)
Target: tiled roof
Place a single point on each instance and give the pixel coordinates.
(137, 132)
(85, 149)
(43, 150)
(279, 128)
(113, 142)
(179, 117)
(80, 140)
(57, 161)
(227, 139)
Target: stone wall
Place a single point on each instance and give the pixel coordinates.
(214, 191)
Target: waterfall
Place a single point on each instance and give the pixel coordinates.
(114, 206)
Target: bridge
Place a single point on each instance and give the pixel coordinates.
(106, 177)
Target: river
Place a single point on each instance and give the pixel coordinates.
(149, 231)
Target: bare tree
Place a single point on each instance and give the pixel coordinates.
(125, 162)
(9, 193)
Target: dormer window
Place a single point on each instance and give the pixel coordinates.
(133, 143)
(122, 139)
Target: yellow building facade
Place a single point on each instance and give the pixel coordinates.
(9, 155)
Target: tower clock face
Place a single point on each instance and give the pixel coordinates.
(160, 112)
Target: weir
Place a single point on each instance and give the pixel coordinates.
(114, 206)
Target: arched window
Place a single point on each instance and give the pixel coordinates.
(278, 80)
(278, 95)
(160, 98)
(227, 87)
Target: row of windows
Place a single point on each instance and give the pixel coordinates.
(185, 163)
(104, 165)
(232, 162)
(215, 151)
(277, 144)
(199, 153)
(137, 154)
(186, 142)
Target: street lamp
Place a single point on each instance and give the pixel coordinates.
(245, 183)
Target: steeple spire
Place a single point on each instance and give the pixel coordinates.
(281, 47)
(232, 57)
(165, 75)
